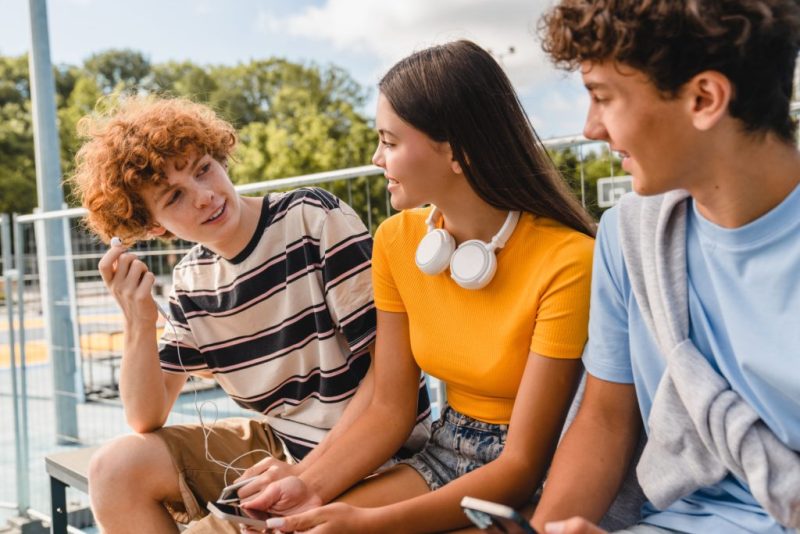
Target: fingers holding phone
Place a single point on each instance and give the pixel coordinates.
(494, 517)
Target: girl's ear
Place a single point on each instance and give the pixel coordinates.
(708, 95)
(456, 167)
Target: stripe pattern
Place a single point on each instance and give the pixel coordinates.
(286, 325)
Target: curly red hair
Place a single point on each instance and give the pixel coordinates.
(128, 147)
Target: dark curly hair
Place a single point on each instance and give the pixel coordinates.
(754, 43)
(128, 146)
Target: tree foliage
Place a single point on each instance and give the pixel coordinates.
(292, 119)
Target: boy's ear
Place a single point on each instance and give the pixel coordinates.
(709, 94)
(156, 230)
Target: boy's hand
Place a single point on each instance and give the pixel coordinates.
(130, 283)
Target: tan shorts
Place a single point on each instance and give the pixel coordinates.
(240, 441)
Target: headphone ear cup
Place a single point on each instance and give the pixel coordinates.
(473, 265)
(434, 251)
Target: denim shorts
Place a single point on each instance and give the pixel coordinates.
(458, 444)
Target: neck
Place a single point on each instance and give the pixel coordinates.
(467, 217)
(250, 212)
(746, 181)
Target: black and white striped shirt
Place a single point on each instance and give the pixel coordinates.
(286, 325)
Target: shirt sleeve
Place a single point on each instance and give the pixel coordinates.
(387, 297)
(345, 252)
(607, 354)
(562, 316)
(178, 349)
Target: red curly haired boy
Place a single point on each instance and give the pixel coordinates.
(274, 301)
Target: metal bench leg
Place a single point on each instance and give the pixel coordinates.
(58, 506)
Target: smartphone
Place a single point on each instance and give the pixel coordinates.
(494, 517)
(229, 495)
(237, 514)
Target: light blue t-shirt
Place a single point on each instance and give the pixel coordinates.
(744, 311)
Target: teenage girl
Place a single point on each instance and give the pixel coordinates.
(486, 289)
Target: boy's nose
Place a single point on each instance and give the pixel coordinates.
(204, 198)
(594, 129)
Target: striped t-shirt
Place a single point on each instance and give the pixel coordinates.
(286, 325)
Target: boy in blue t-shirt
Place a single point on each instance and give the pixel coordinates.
(694, 95)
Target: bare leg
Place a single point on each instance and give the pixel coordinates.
(128, 479)
(398, 483)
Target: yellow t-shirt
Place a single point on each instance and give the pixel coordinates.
(478, 341)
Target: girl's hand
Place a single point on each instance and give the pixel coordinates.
(264, 473)
(289, 495)
(337, 518)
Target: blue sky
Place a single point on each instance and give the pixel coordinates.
(364, 36)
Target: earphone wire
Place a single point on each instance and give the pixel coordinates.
(199, 410)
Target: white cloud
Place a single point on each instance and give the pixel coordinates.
(390, 31)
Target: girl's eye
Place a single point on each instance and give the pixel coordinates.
(204, 169)
(386, 143)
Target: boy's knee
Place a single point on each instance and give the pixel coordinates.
(126, 459)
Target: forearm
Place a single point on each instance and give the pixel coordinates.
(590, 463)
(504, 481)
(374, 448)
(357, 406)
(143, 390)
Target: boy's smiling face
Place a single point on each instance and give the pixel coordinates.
(198, 203)
(653, 133)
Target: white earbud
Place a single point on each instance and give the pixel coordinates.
(472, 264)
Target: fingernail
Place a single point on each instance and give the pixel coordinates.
(116, 242)
(275, 522)
(555, 527)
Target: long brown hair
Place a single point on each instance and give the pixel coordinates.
(457, 93)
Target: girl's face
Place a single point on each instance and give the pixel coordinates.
(419, 169)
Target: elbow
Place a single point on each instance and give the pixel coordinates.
(142, 425)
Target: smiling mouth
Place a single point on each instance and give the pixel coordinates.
(217, 214)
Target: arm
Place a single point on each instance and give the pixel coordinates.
(147, 392)
(270, 469)
(542, 402)
(351, 414)
(594, 455)
(540, 408)
(394, 398)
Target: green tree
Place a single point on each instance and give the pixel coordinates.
(118, 70)
(293, 119)
(17, 170)
(589, 165)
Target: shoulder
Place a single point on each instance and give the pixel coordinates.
(197, 257)
(560, 241)
(407, 225)
(305, 199)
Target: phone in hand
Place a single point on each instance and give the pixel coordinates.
(494, 517)
(229, 493)
(236, 514)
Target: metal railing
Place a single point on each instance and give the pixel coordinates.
(24, 359)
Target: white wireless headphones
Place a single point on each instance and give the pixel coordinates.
(472, 264)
